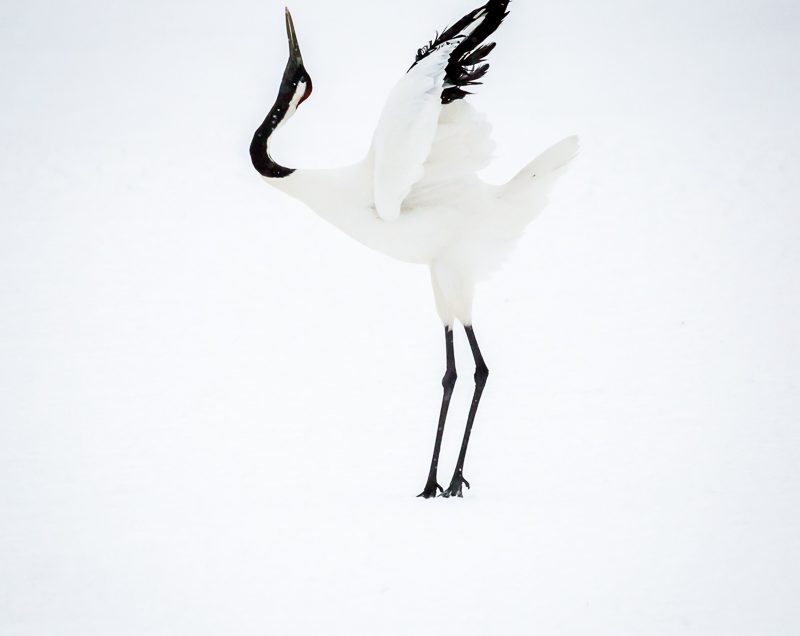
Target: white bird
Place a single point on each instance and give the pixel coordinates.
(416, 196)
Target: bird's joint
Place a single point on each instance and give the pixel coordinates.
(449, 379)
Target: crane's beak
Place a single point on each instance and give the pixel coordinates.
(294, 48)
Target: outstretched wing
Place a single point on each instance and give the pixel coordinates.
(406, 130)
(418, 140)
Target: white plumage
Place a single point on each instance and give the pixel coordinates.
(448, 218)
(406, 131)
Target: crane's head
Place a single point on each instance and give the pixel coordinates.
(295, 88)
(296, 83)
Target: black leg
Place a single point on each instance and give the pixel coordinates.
(448, 382)
(481, 373)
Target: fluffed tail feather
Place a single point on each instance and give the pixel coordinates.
(541, 172)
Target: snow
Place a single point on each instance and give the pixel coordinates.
(215, 410)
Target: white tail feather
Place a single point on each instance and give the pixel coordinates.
(539, 174)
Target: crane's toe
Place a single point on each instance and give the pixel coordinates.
(454, 489)
(430, 490)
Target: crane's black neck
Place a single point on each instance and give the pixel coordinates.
(295, 88)
(259, 147)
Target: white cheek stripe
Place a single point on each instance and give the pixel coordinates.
(298, 95)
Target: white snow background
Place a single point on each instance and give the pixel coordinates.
(216, 410)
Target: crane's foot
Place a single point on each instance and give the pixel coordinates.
(430, 489)
(454, 490)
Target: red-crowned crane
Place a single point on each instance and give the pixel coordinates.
(416, 195)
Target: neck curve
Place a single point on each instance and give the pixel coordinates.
(259, 147)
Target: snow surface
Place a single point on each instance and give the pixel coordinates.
(215, 410)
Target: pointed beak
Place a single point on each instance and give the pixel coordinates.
(294, 47)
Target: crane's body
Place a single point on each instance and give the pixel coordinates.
(416, 195)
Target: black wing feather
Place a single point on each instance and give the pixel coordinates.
(465, 67)
(478, 54)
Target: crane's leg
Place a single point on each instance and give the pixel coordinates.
(448, 382)
(481, 373)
